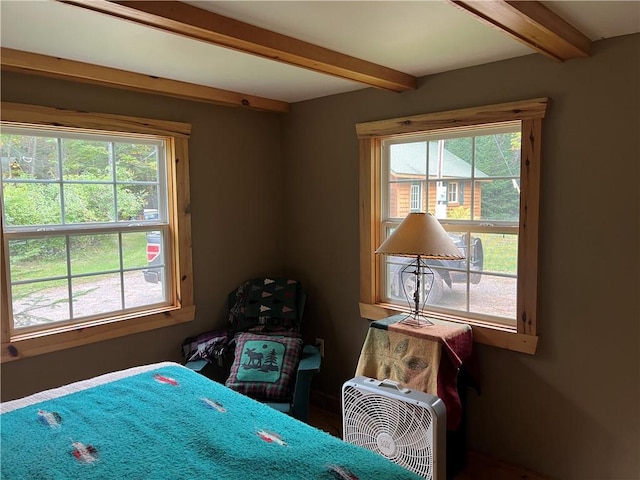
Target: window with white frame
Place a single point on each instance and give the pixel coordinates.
(90, 230)
(496, 163)
(416, 197)
(486, 159)
(452, 192)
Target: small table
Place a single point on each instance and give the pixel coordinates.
(426, 359)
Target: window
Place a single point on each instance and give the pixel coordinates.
(416, 197)
(452, 192)
(479, 169)
(94, 229)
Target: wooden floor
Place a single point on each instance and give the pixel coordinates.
(478, 466)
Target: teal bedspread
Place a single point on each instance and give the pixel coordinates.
(169, 423)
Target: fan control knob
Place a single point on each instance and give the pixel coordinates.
(386, 444)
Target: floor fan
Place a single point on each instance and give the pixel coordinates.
(407, 427)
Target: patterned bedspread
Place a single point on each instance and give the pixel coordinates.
(166, 422)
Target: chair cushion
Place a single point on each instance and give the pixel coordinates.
(265, 305)
(264, 366)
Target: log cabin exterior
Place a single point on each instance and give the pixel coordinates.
(450, 190)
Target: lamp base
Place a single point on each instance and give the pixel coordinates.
(416, 320)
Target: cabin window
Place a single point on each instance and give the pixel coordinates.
(485, 230)
(89, 224)
(452, 192)
(416, 197)
(496, 164)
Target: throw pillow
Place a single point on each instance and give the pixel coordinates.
(264, 366)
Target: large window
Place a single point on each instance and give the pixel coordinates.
(94, 242)
(479, 171)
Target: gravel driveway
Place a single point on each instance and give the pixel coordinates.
(92, 296)
(492, 296)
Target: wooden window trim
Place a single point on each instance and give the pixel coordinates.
(183, 307)
(523, 337)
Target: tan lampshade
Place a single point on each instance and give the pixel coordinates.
(420, 234)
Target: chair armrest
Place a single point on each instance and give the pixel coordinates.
(310, 359)
(308, 366)
(196, 365)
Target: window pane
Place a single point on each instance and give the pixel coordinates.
(139, 292)
(39, 258)
(154, 201)
(394, 266)
(136, 162)
(459, 153)
(454, 297)
(408, 160)
(494, 296)
(155, 271)
(134, 250)
(96, 294)
(89, 203)
(94, 253)
(135, 201)
(86, 160)
(40, 303)
(498, 155)
(401, 198)
(31, 204)
(499, 200)
(26, 156)
(500, 252)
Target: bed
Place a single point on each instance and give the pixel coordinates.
(164, 421)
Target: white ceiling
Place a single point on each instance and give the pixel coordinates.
(415, 37)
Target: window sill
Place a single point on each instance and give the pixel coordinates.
(29, 345)
(485, 334)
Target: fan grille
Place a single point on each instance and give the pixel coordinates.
(401, 431)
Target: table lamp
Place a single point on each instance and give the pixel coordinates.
(419, 236)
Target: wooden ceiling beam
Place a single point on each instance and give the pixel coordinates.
(33, 63)
(533, 24)
(189, 21)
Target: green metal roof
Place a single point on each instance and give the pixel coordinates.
(411, 159)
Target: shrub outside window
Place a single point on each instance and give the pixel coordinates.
(91, 228)
(479, 172)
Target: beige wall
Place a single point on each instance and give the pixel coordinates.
(570, 411)
(270, 196)
(236, 181)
